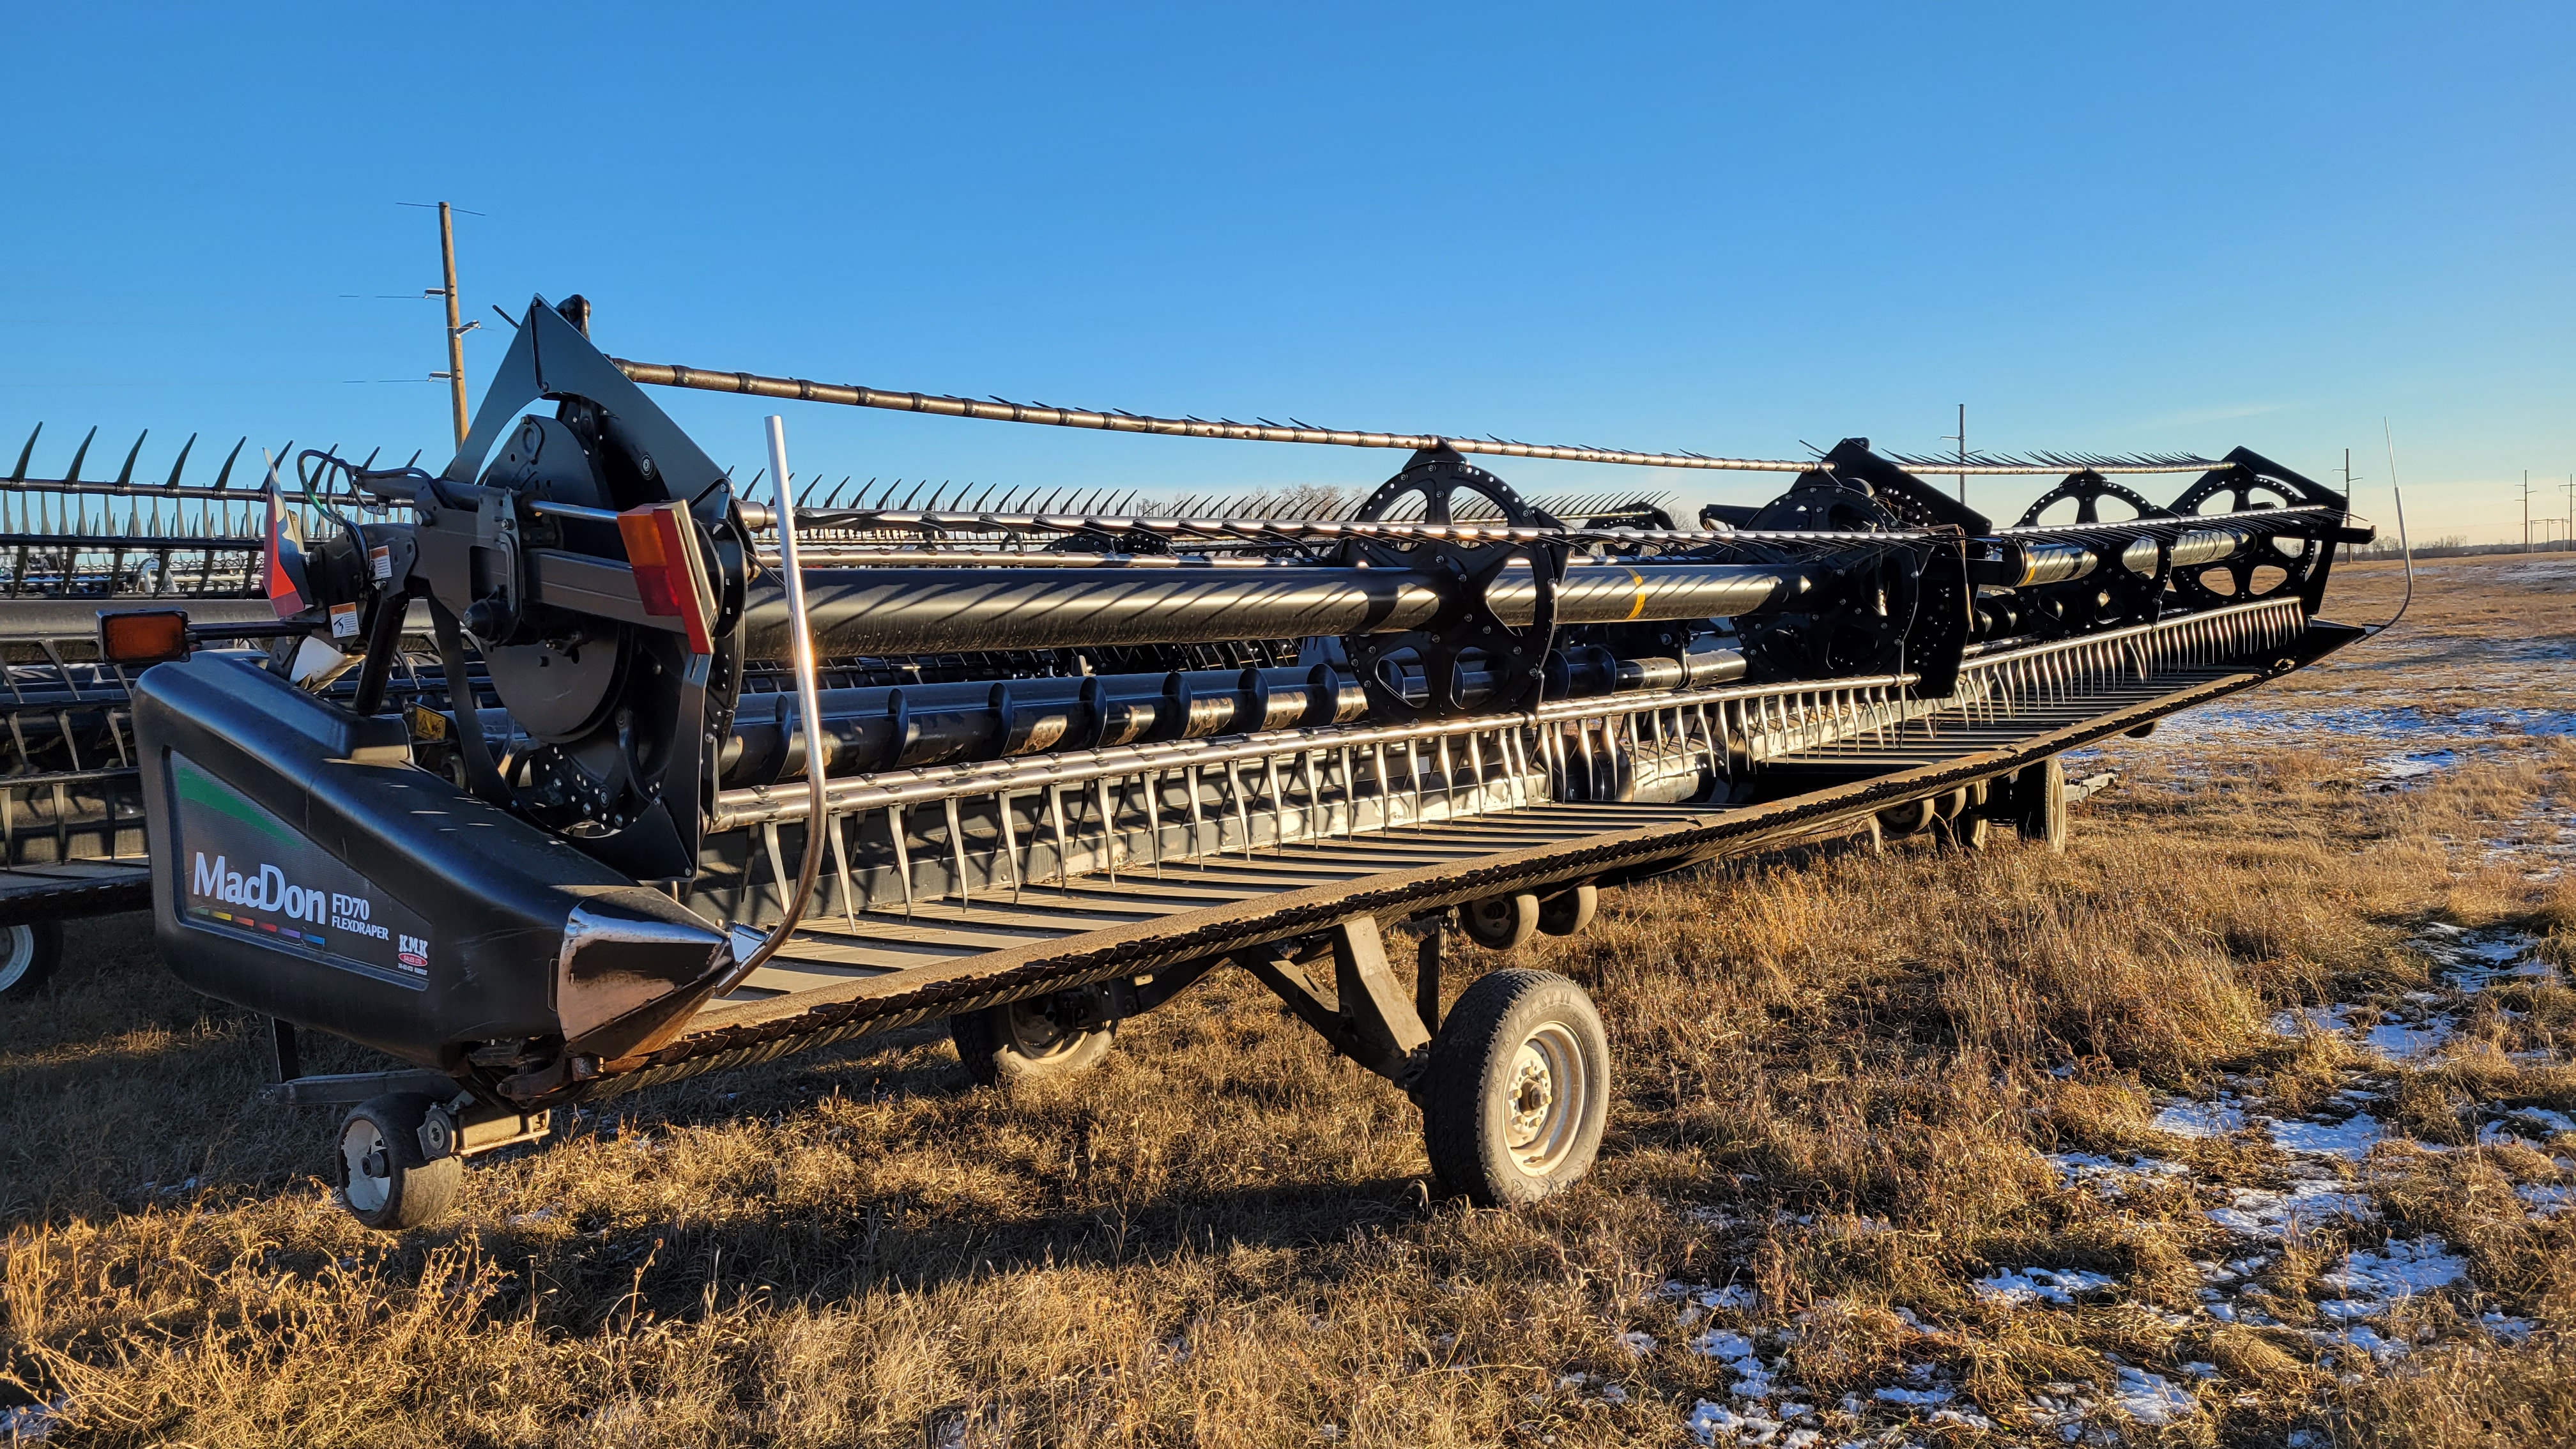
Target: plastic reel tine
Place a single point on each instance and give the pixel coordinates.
(957, 853)
(1010, 841)
(1108, 826)
(1063, 847)
(902, 855)
(1193, 777)
(1153, 783)
(841, 862)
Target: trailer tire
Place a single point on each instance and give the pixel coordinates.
(386, 1180)
(1911, 818)
(1500, 923)
(1516, 1090)
(28, 955)
(1016, 1043)
(2039, 804)
(1569, 911)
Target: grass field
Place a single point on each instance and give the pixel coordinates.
(2245, 1121)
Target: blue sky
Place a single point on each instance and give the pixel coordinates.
(1726, 229)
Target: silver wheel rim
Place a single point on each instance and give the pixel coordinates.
(359, 1141)
(1546, 1099)
(1035, 1037)
(21, 954)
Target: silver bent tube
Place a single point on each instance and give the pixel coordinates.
(809, 701)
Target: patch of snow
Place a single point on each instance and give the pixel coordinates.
(2411, 1042)
(2545, 1119)
(2350, 1138)
(2108, 1175)
(2400, 1269)
(2201, 1119)
(1707, 1421)
(2302, 1019)
(2505, 1326)
(32, 1423)
(1638, 1344)
(2546, 1201)
(2557, 722)
(2370, 1341)
(2152, 1399)
(1719, 1343)
(2042, 1285)
(1917, 1398)
(2394, 768)
(2263, 1212)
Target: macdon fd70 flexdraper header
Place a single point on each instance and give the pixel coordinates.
(753, 778)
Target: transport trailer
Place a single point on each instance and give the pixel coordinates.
(756, 778)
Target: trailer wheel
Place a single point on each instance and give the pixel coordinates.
(1568, 912)
(386, 1178)
(1500, 923)
(1516, 1090)
(29, 954)
(1019, 1042)
(1911, 818)
(2039, 804)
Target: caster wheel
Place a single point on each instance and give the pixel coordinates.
(1020, 1042)
(1500, 923)
(387, 1179)
(1517, 1089)
(1970, 833)
(1569, 911)
(28, 955)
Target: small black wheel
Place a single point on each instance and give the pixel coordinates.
(1567, 912)
(1019, 1042)
(2039, 804)
(1500, 923)
(387, 1177)
(28, 955)
(1517, 1089)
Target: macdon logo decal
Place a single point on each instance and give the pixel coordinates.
(266, 888)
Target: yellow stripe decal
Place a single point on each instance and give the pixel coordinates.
(1639, 580)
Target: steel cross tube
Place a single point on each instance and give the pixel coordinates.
(913, 611)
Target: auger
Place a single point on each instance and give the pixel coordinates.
(695, 779)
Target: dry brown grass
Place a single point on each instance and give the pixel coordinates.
(1838, 1075)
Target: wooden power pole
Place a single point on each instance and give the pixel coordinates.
(455, 319)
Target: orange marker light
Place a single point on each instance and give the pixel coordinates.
(661, 548)
(143, 636)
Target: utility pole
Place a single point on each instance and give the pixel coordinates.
(2571, 511)
(455, 329)
(2526, 510)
